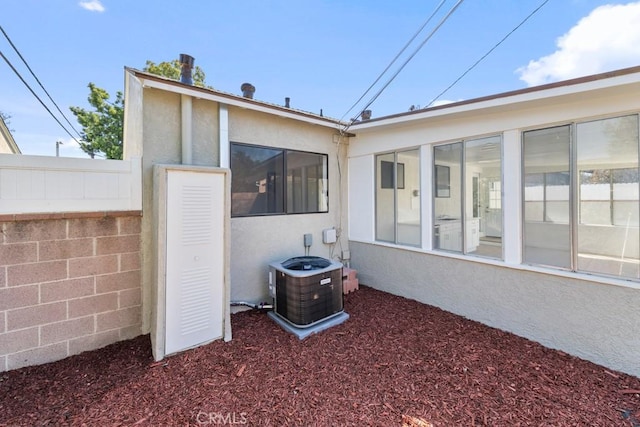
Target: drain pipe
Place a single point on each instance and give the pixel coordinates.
(186, 65)
(187, 142)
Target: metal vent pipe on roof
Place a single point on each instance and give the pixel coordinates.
(287, 100)
(186, 66)
(247, 90)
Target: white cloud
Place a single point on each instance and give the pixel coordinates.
(607, 39)
(92, 5)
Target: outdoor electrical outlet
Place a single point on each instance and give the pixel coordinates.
(308, 240)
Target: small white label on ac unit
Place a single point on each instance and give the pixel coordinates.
(325, 281)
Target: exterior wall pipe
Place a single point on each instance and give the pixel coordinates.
(187, 117)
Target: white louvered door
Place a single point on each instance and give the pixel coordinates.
(194, 259)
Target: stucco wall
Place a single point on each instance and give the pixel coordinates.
(161, 144)
(593, 317)
(257, 241)
(68, 283)
(593, 321)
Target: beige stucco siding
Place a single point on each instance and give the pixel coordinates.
(257, 241)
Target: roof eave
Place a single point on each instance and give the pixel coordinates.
(565, 87)
(163, 83)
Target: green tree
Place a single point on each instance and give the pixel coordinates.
(172, 70)
(102, 127)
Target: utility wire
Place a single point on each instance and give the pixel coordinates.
(38, 80)
(372, 100)
(488, 53)
(37, 97)
(394, 59)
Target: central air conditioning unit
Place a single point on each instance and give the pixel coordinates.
(306, 290)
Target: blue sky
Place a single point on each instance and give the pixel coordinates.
(323, 54)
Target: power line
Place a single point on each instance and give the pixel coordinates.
(37, 97)
(372, 100)
(40, 83)
(394, 59)
(488, 53)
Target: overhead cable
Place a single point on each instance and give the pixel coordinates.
(394, 59)
(372, 100)
(488, 53)
(38, 80)
(37, 97)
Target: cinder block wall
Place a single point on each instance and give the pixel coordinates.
(68, 283)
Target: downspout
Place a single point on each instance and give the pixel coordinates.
(186, 66)
(187, 139)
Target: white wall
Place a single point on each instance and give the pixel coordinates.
(585, 315)
(39, 184)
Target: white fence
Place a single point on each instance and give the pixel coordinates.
(39, 184)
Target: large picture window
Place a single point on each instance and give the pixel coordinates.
(582, 196)
(274, 181)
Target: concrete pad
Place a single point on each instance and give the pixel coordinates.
(303, 333)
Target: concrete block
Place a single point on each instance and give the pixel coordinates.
(13, 342)
(91, 227)
(65, 249)
(67, 289)
(92, 266)
(93, 342)
(37, 356)
(36, 315)
(37, 272)
(118, 281)
(117, 244)
(119, 319)
(63, 331)
(93, 305)
(18, 297)
(18, 253)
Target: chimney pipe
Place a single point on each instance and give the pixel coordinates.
(247, 90)
(366, 115)
(286, 102)
(186, 65)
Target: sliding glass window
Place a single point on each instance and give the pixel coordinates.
(547, 237)
(582, 197)
(398, 197)
(607, 167)
(467, 180)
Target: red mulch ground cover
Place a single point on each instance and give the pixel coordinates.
(394, 362)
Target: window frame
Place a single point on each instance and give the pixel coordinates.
(575, 198)
(284, 185)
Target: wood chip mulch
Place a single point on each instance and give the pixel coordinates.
(394, 362)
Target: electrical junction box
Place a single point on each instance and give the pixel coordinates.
(329, 235)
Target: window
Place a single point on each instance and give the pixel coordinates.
(581, 197)
(398, 197)
(268, 180)
(468, 197)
